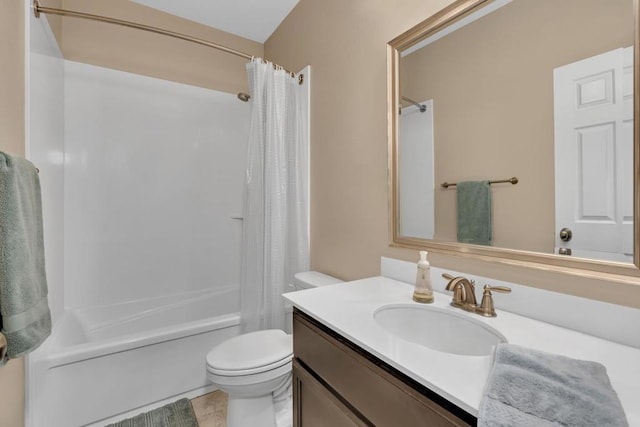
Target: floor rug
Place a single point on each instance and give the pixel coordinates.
(176, 414)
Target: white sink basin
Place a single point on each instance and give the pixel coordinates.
(438, 329)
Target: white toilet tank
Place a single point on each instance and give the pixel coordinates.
(312, 279)
(306, 280)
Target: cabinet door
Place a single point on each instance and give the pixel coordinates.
(315, 406)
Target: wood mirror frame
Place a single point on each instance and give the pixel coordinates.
(607, 270)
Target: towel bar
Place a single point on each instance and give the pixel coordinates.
(512, 180)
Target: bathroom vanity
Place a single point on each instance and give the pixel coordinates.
(337, 383)
(350, 370)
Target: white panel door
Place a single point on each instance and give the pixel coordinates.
(593, 113)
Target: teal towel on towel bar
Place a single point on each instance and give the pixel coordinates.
(474, 212)
(24, 311)
(528, 387)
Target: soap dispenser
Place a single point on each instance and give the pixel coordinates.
(423, 292)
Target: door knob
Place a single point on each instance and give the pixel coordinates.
(565, 234)
(564, 251)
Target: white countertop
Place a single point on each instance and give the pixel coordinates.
(348, 309)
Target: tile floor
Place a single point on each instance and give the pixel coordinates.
(211, 409)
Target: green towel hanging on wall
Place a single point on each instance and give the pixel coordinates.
(475, 224)
(25, 319)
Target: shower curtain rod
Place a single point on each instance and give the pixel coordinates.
(37, 10)
(422, 107)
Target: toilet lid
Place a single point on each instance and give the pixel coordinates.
(251, 353)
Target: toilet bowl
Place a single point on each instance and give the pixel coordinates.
(255, 368)
(250, 368)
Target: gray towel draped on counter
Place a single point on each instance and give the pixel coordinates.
(24, 311)
(527, 387)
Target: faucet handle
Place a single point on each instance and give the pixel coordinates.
(501, 289)
(486, 307)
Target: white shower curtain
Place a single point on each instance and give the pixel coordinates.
(275, 227)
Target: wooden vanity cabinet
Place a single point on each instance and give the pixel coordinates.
(336, 383)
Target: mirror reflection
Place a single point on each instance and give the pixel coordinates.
(540, 90)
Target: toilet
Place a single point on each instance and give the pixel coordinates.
(254, 369)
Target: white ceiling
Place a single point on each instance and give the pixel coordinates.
(253, 19)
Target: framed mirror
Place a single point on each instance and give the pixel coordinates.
(513, 134)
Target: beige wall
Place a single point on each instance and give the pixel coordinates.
(55, 21)
(154, 55)
(345, 43)
(492, 87)
(12, 141)
(12, 77)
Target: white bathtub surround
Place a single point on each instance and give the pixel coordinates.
(349, 310)
(153, 183)
(275, 242)
(153, 186)
(601, 319)
(45, 143)
(115, 359)
(44, 146)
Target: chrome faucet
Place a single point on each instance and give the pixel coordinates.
(464, 295)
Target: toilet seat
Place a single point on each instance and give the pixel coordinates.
(252, 353)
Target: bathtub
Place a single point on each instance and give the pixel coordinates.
(106, 361)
